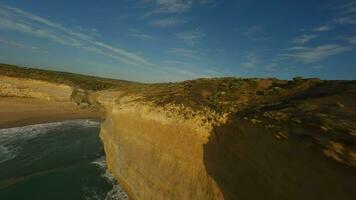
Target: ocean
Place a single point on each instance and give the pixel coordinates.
(61, 160)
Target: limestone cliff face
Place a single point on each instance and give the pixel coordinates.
(155, 153)
(28, 88)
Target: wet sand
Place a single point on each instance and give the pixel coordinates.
(16, 112)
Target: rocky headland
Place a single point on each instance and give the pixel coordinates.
(217, 138)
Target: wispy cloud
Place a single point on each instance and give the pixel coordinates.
(140, 35)
(251, 61)
(352, 39)
(253, 32)
(169, 6)
(347, 8)
(182, 52)
(18, 20)
(173, 6)
(314, 54)
(191, 37)
(167, 13)
(344, 20)
(296, 48)
(346, 13)
(317, 66)
(168, 21)
(271, 67)
(322, 28)
(304, 39)
(19, 45)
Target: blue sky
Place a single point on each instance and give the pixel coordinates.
(172, 40)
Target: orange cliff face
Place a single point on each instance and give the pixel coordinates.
(156, 153)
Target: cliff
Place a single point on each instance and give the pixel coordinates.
(157, 153)
(220, 138)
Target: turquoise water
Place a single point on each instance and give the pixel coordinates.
(62, 160)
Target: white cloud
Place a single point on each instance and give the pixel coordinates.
(304, 39)
(314, 54)
(18, 20)
(191, 37)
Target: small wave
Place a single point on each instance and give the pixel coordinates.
(36, 129)
(7, 153)
(100, 162)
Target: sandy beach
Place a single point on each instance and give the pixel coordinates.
(16, 112)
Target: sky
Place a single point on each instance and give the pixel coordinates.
(174, 40)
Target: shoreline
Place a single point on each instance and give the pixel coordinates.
(29, 122)
(18, 112)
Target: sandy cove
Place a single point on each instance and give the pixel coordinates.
(16, 112)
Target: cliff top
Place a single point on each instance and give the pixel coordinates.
(229, 94)
(75, 80)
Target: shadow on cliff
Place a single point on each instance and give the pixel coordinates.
(247, 161)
